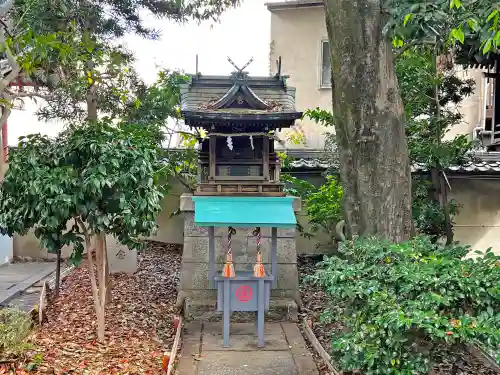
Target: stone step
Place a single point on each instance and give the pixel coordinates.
(280, 309)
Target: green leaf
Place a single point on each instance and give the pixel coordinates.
(492, 14)
(487, 46)
(407, 18)
(458, 34)
(472, 24)
(455, 4)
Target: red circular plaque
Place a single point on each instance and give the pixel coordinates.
(244, 293)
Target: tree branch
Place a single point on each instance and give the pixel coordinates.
(5, 114)
(93, 282)
(412, 44)
(30, 95)
(12, 62)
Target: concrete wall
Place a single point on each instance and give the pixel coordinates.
(478, 222)
(472, 107)
(6, 249)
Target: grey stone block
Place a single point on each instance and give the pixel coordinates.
(190, 229)
(198, 306)
(194, 276)
(244, 343)
(286, 232)
(186, 203)
(297, 204)
(248, 363)
(195, 249)
(288, 276)
(215, 328)
(286, 250)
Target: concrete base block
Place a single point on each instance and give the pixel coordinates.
(280, 309)
(120, 257)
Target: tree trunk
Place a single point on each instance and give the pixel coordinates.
(101, 264)
(101, 272)
(448, 226)
(107, 278)
(369, 121)
(2, 162)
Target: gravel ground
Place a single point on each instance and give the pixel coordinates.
(139, 321)
(314, 300)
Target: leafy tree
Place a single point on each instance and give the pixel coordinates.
(68, 65)
(471, 22)
(430, 115)
(23, 52)
(99, 178)
(431, 98)
(401, 304)
(368, 114)
(322, 205)
(87, 80)
(160, 107)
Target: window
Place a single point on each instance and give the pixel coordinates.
(326, 66)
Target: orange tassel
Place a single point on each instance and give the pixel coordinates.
(229, 266)
(165, 361)
(258, 268)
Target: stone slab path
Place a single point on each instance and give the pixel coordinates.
(17, 279)
(285, 351)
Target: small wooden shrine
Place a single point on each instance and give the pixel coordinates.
(238, 194)
(240, 115)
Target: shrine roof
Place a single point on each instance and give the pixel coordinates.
(292, 4)
(238, 97)
(483, 163)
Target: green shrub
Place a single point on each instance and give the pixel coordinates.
(401, 303)
(15, 327)
(323, 205)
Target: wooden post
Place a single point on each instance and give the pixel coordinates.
(58, 273)
(211, 158)
(265, 158)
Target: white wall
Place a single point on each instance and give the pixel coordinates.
(6, 249)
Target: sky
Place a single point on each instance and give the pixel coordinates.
(241, 34)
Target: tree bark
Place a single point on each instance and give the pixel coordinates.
(96, 283)
(369, 121)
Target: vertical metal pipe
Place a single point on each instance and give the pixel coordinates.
(211, 257)
(260, 313)
(274, 256)
(227, 313)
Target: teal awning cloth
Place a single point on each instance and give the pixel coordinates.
(244, 212)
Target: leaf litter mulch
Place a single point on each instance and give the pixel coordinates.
(314, 301)
(139, 321)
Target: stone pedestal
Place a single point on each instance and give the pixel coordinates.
(196, 295)
(120, 257)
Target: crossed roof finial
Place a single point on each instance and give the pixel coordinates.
(239, 70)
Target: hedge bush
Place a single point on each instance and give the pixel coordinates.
(401, 303)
